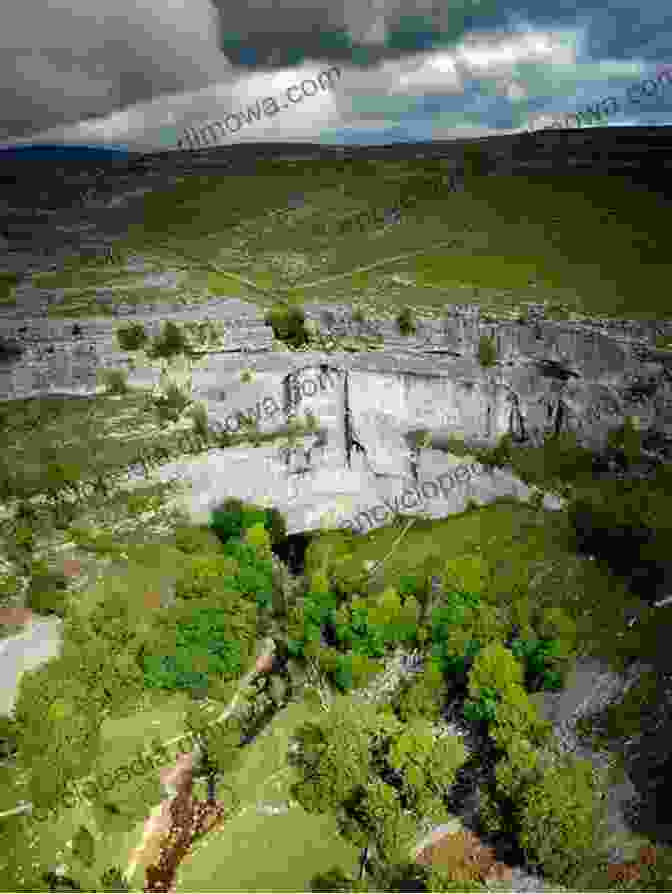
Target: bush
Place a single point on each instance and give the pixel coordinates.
(487, 351)
(501, 455)
(539, 657)
(230, 519)
(114, 381)
(131, 336)
(171, 404)
(47, 591)
(288, 323)
(199, 417)
(170, 342)
(9, 732)
(405, 322)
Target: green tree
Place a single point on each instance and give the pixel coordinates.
(337, 754)
(517, 718)
(423, 696)
(561, 818)
(343, 766)
(429, 765)
(495, 667)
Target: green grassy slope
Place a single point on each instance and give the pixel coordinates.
(593, 244)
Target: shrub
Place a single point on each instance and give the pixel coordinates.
(482, 709)
(538, 657)
(114, 380)
(47, 591)
(288, 324)
(405, 322)
(487, 351)
(9, 732)
(131, 336)
(232, 517)
(170, 342)
(199, 418)
(501, 455)
(172, 402)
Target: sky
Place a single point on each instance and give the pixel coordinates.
(137, 73)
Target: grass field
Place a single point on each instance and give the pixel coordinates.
(254, 852)
(587, 244)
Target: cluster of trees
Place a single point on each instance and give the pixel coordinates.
(348, 637)
(379, 777)
(549, 802)
(224, 597)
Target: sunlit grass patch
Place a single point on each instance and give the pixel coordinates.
(296, 843)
